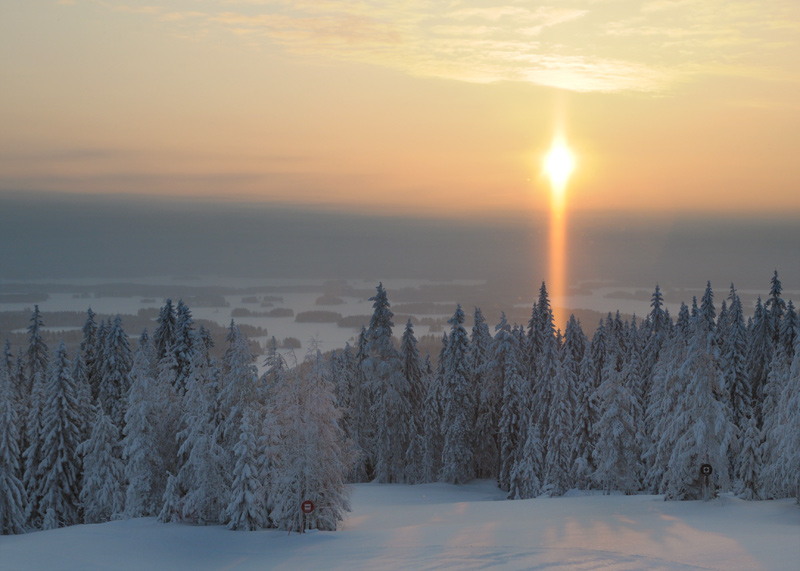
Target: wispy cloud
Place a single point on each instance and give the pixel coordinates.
(581, 45)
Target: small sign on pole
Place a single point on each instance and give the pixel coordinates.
(706, 469)
(307, 507)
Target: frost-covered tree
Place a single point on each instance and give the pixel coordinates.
(587, 407)
(412, 371)
(516, 401)
(59, 471)
(202, 475)
(240, 389)
(432, 425)
(748, 462)
(759, 357)
(245, 511)
(312, 457)
(391, 407)
(486, 398)
(700, 427)
(143, 447)
(102, 493)
(617, 454)
(117, 360)
(733, 364)
(525, 476)
(164, 334)
(91, 351)
(775, 308)
(184, 346)
(458, 408)
(12, 492)
(37, 361)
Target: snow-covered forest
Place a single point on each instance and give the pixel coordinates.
(689, 406)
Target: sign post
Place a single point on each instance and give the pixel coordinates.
(306, 507)
(705, 471)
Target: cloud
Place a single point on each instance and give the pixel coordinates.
(580, 45)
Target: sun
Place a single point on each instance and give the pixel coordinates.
(559, 164)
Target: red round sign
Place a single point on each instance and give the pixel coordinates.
(307, 506)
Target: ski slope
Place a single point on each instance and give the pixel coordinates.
(440, 526)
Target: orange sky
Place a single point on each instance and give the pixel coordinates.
(413, 107)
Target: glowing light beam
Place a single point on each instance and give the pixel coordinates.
(559, 164)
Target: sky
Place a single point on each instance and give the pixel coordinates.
(437, 114)
(434, 108)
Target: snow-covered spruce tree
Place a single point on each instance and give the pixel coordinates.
(246, 510)
(85, 403)
(785, 471)
(102, 493)
(184, 347)
(587, 407)
(665, 392)
(775, 308)
(432, 425)
(12, 492)
(617, 454)
(145, 467)
(774, 418)
(240, 391)
(59, 471)
(733, 364)
(486, 396)
(458, 414)
(164, 334)
(703, 432)
(759, 357)
(117, 360)
(362, 425)
(391, 408)
(90, 351)
(525, 475)
(202, 476)
(312, 458)
(412, 370)
(37, 361)
(748, 462)
(543, 353)
(515, 405)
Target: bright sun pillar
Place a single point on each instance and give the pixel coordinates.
(559, 165)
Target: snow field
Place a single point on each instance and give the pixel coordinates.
(442, 526)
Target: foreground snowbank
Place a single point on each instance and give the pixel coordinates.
(439, 526)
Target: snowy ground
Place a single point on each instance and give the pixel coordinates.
(438, 526)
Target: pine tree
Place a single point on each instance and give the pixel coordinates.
(391, 408)
(312, 458)
(748, 462)
(202, 475)
(91, 352)
(458, 408)
(701, 430)
(775, 308)
(587, 408)
(759, 357)
(59, 471)
(12, 492)
(246, 510)
(164, 335)
(102, 493)
(37, 360)
(516, 402)
(184, 346)
(117, 360)
(145, 465)
(617, 454)
(412, 371)
(733, 363)
(432, 425)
